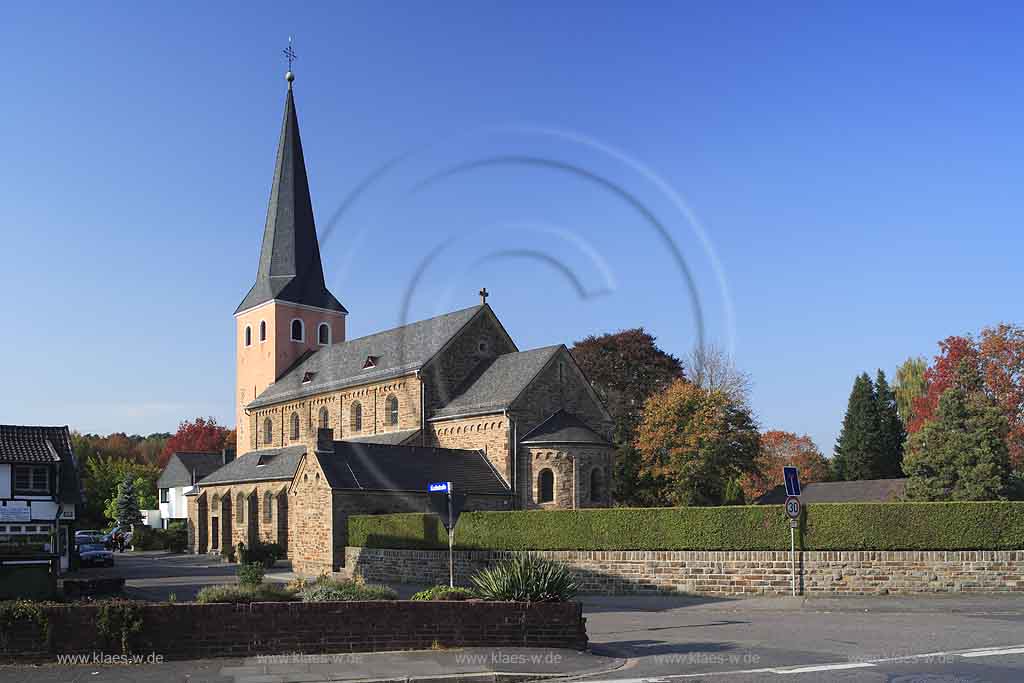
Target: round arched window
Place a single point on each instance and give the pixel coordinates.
(295, 426)
(546, 486)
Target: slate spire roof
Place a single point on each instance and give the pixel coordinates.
(290, 268)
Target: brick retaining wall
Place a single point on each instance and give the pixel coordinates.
(189, 630)
(722, 572)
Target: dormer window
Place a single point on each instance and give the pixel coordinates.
(298, 331)
(323, 334)
(371, 362)
(308, 377)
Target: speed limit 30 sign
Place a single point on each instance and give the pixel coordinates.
(793, 507)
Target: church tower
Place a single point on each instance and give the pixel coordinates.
(288, 311)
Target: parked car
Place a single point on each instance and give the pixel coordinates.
(87, 532)
(94, 554)
(96, 538)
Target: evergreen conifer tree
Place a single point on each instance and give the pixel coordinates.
(891, 432)
(859, 446)
(128, 513)
(961, 453)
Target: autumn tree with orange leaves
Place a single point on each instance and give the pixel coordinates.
(694, 443)
(781, 449)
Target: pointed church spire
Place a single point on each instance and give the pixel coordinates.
(290, 268)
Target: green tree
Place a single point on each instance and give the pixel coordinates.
(625, 369)
(102, 476)
(961, 453)
(128, 504)
(859, 446)
(891, 432)
(911, 384)
(695, 444)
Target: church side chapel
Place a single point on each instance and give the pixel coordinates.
(329, 426)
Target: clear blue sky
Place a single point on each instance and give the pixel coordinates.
(857, 171)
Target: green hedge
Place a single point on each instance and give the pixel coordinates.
(837, 526)
(915, 526)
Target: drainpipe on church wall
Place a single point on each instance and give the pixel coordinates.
(573, 458)
(423, 410)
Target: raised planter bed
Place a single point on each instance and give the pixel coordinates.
(191, 630)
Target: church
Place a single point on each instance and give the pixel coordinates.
(329, 426)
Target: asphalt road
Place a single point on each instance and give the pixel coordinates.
(664, 638)
(942, 638)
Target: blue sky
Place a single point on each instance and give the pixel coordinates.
(842, 182)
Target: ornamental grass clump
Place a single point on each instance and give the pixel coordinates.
(526, 578)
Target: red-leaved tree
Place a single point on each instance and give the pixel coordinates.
(998, 357)
(199, 435)
(779, 449)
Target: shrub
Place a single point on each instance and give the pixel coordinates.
(239, 593)
(333, 590)
(267, 554)
(444, 593)
(996, 525)
(250, 574)
(526, 578)
(228, 554)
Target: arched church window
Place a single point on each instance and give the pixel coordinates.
(546, 486)
(298, 330)
(268, 507)
(268, 431)
(240, 508)
(248, 335)
(356, 414)
(263, 330)
(391, 406)
(295, 426)
(597, 485)
(325, 419)
(323, 333)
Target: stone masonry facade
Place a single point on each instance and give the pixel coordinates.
(724, 573)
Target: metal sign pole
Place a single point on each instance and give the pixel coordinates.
(451, 541)
(792, 555)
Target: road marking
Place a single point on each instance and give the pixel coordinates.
(993, 652)
(822, 667)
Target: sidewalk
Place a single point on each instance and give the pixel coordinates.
(490, 665)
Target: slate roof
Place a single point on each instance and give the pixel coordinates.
(379, 467)
(31, 445)
(290, 268)
(495, 384)
(262, 465)
(858, 491)
(398, 351)
(563, 427)
(179, 468)
(393, 438)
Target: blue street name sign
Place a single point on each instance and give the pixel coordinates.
(792, 481)
(438, 487)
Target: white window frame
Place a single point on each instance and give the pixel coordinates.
(302, 329)
(32, 489)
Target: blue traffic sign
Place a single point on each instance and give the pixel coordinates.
(792, 481)
(439, 486)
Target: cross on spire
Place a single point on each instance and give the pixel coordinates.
(483, 295)
(290, 55)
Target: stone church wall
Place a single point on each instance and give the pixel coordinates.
(559, 386)
(573, 480)
(488, 433)
(481, 339)
(221, 504)
(371, 397)
(311, 521)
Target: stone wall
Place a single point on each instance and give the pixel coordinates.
(573, 469)
(724, 573)
(192, 631)
(487, 433)
(264, 515)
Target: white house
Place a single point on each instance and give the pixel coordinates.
(180, 474)
(40, 495)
